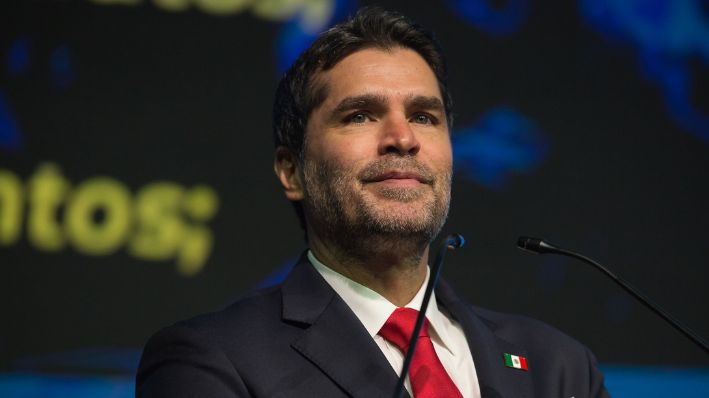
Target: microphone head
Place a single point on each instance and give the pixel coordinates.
(454, 241)
(527, 243)
(535, 245)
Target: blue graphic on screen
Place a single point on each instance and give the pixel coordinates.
(89, 359)
(502, 143)
(621, 381)
(277, 276)
(497, 18)
(17, 60)
(18, 57)
(294, 37)
(60, 67)
(10, 136)
(26, 385)
(84, 373)
(17, 63)
(667, 36)
(655, 381)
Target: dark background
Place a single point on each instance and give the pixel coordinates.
(584, 122)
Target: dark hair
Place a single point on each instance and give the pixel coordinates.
(372, 27)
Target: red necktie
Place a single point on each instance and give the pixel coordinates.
(427, 376)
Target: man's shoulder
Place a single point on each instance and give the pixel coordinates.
(519, 330)
(230, 332)
(533, 335)
(515, 325)
(256, 316)
(256, 309)
(213, 348)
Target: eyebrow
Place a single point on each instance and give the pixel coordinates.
(360, 101)
(427, 103)
(380, 101)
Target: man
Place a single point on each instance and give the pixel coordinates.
(363, 151)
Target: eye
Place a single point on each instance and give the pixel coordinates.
(358, 118)
(423, 118)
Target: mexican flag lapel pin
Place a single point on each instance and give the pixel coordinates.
(515, 361)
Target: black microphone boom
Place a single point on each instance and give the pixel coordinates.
(451, 242)
(539, 246)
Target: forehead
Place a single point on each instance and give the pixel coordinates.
(398, 72)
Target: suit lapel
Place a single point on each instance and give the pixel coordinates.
(496, 380)
(338, 344)
(333, 338)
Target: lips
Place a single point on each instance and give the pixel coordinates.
(399, 175)
(398, 171)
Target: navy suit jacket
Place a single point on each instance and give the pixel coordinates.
(300, 339)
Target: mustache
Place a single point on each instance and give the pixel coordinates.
(405, 165)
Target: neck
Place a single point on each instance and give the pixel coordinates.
(394, 267)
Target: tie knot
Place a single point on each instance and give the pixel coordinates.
(428, 377)
(399, 327)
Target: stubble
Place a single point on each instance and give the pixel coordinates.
(359, 221)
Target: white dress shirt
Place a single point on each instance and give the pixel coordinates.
(373, 310)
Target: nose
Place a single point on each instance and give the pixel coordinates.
(398, 137)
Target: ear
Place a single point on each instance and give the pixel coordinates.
(285, 165)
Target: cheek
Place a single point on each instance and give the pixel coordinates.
(341, 154)
(440, 154)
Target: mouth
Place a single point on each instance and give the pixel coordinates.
(399, 178)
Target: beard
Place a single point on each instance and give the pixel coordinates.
(357, 219)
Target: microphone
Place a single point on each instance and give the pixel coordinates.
(451, 242)
(535, 245)
(539, 246)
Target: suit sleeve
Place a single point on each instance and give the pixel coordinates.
(598, 388)
(179, 362)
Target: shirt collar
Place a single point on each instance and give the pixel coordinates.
(373, 309)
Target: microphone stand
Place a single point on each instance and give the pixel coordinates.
(539, 246)
(451, 242)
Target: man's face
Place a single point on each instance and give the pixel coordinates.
(377, 157)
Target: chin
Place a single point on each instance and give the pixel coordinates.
(402, 218)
